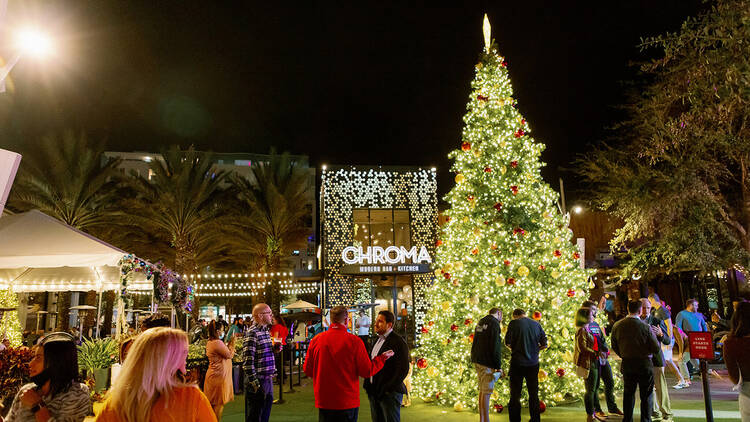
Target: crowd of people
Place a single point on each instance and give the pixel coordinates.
(152, 383)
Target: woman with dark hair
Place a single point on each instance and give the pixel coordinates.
(55, 392)
(586, 358)
(218, 384)
(736, 357)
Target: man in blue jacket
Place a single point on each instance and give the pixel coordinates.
(526, 338)
(486, 355)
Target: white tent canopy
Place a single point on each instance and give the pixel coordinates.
(40, 253)
(300, 304)
(34, 239)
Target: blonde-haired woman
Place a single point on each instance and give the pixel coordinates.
(150, 386)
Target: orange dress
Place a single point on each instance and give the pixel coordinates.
(185, 404)
(218, 385)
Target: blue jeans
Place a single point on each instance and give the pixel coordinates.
(336, 415)
(258, 404)
(589, 397)
(386, 408)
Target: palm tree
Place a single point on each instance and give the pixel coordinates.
(66, 178)
(181, 205)
(270, 222)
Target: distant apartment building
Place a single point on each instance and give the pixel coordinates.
(242, 163)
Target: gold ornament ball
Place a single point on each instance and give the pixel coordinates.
(446, 305)
(477, 232)
(459, 407)
(523, 271)
(542, 375)
(477, 153)
(503, 170)
(458, 265)
(500, 280)
(438, 272)
(474, 300)
(555, 274)
(460, 178)
(432, 371)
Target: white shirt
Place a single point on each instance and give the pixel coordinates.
(378, 345)
(364, 326)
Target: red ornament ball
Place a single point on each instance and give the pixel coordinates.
(499, 408)
(470, 198)
(438, 243)
(557, 253)
(514, 164)
(474, 251)
(471, 337)
(498, 206)
(560, 372)
(447, 218)
(431, 323)
(425, 330)
(542, 406)
(421, 363)
(523, 121)
(487, 170)
(481, 97)
(541, 267)
(511, 281)
(536, 315)
(504, 64)
(447, 275)
(514, 189)
(506, 262)
(466, 146)
(576, 255)
(467, 321)
(454, 327)
(571, 292)
(519, 133)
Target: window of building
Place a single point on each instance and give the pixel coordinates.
(381, 227)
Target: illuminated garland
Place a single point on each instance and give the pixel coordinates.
(10, 323)
(504, 245)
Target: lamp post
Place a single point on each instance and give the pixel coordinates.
(83, 310)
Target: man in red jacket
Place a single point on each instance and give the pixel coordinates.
(335, 361)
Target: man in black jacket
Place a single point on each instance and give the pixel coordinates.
(386, 388)
(636, 344)
(486, 355)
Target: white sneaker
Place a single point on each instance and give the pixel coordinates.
(681, 385)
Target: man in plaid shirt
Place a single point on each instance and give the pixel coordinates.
(259, 366)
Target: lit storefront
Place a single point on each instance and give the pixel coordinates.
(379, 227)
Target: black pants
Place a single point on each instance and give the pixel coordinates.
(637, 373)
(605, 377)
(258, 404)
(336, 415)
(517, 374)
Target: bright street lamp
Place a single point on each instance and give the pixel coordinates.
(28, 41)
(577, 209)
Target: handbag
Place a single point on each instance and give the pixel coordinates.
(582, 372)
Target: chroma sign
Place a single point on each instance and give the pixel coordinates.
(389, 255)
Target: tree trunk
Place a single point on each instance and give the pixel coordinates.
(108, 305)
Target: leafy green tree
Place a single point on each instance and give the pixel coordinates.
(269, 223)
(676, 171)
(67, 177)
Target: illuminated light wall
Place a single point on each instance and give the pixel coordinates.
(344, 189)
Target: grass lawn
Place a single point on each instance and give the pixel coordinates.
(300, 406)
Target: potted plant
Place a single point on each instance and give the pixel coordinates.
(96, 356)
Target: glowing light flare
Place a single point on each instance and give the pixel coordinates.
(33, 42)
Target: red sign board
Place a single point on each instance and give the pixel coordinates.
(701, 345)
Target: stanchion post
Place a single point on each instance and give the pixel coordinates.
(291, 367)
(706, 391)
(280, 400)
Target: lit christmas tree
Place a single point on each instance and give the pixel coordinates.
(9, 325)
(505, 245)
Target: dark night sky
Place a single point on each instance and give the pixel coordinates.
(376, 83)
